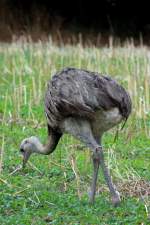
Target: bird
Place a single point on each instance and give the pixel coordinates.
(84, 104)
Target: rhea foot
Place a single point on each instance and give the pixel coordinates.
(116, 199)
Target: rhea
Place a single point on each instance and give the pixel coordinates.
(85, 104)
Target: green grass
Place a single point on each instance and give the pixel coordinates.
(53, 189)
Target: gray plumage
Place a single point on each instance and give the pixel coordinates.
(80, 93)
(84, 104)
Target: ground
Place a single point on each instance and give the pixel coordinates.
(53, 189)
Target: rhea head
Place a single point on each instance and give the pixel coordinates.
(28, 146)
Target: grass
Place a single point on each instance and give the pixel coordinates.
(53, 189)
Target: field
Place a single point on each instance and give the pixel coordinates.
(53, 189)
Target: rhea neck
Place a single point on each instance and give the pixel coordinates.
(49, 147)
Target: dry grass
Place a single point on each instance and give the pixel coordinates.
(25, 68)
(37, 62)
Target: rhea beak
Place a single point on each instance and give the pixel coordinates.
(25, 155)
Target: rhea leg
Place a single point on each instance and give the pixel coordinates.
(114, 193)
(96, 162)
(98, 159)
(82, 130)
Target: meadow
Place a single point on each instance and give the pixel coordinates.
(53, 189)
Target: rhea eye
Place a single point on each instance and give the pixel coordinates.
(21, 150)
(26, 142)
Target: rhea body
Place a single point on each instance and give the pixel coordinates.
(84, 104)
